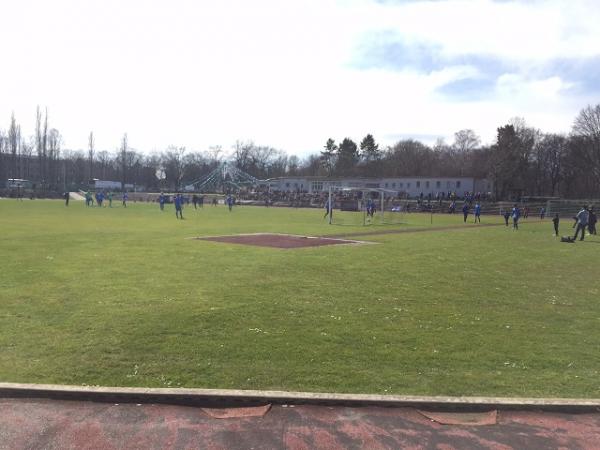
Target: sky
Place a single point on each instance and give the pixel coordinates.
(291, 74)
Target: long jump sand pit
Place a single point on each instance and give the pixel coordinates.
(280, 240)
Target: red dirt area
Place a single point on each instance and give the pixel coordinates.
(278, 240)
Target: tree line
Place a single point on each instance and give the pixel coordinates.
(523, 160)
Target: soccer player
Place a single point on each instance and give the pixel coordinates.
(66, 196)
(582, 221)
(327, 208)
(110, 194)
(516, 214)
(477, 212)
(465, 210)
(370, 207)
(161, 201)
(542, 213)
(556, 221)
(195, 201)
(125, 198)
(506, 216)
(230, 202)
(178, 206)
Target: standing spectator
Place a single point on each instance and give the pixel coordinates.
(477, 212)
(516, 214)
(582, 222)
(66, 195)
(526, 212)
(195, 201)
(592, 219)
(556, 221)
(542, 213)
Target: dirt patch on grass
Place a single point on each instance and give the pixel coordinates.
(280, 240)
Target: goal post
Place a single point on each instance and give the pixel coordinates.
(364, 206)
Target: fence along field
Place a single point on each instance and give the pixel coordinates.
(123, 297)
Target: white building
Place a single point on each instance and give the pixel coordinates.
(110, 185)
(411, 186)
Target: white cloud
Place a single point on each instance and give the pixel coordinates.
(203, 73)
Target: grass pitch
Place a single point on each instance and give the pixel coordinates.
(120, 297)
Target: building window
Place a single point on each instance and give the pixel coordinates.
(401, 185)
(287, 185)
(386, 185)
(458, 185)
(418, 184)
(427, 184)
(394, 185)
(317, 186)
(448, 184)
(407, 185)
(438, 184)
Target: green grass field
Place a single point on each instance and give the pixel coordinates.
(120, 297)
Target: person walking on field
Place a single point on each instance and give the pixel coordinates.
(477, 212)
(516, 214)
(582, 222)
(555, 222)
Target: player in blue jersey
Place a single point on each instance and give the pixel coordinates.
(477, 212)
(161, 201)
(178, 206)
(465, 210)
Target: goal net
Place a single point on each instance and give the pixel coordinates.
(364, 206)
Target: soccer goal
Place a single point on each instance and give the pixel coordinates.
(364, 206)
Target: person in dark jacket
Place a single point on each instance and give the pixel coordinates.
(592, 219)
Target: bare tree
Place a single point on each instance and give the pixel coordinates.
(123, 151)
(54, 143)
(174, 163)
(91, 152)
(14, 140)
(587, 129)
(465, 140)
(104, 160)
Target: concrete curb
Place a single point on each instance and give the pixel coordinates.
(230, 397)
